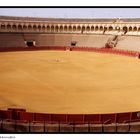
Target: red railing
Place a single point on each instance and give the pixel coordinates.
(18, 114)
(64, 48)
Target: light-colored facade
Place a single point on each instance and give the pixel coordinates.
(17, 31)
(79, 26)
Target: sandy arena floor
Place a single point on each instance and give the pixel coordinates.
(69, 82)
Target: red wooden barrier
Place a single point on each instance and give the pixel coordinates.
(108, 118)
(93, 118)
(62, 118)
(73, 118)
(123, 117)
(6, 114)
(26, 116)
(42, 117)
(135, 116)
(92, 49)
(15, 114)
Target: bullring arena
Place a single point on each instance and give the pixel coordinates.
(69, 75)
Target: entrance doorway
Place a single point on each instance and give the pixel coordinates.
(73, 43)
(30, 43)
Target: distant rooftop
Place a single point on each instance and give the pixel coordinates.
(69, 19)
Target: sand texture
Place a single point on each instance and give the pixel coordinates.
(69, 82)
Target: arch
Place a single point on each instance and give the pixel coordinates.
(39, 27)
(9, 26)
(48, 28)
(24, 27)
(101, 28)
(130, 28)
(92, 28)
(14, 27)
(43, 27)
(83, 28)
(70, 28)
(34, 27)
(56, 28)
(139, 29)
(65, 28)
(74, 28)
(3, 26)
(96, 28)
(61, 28)
(88, 28)
(110, 28)
(79, 28)
(135, 28)
(19, 27)
(117, 28)
(104, 29)
(29, 27)
(52, 28)
(125, 29)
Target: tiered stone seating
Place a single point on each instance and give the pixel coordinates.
(131, 43)
(37, 127)
(8, 126)
(124, 127)
(51, 128)
(22, 126)
(66, 128)
(81, 128)
(109, 127)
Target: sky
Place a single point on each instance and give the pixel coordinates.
(72, 12)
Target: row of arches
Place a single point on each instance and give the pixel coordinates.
(53, 27)
(131, 28)
(69, 28)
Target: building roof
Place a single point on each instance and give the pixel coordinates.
(38, 19)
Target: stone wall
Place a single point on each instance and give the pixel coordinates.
(128, 43)
(18, 40)
(12, 126)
